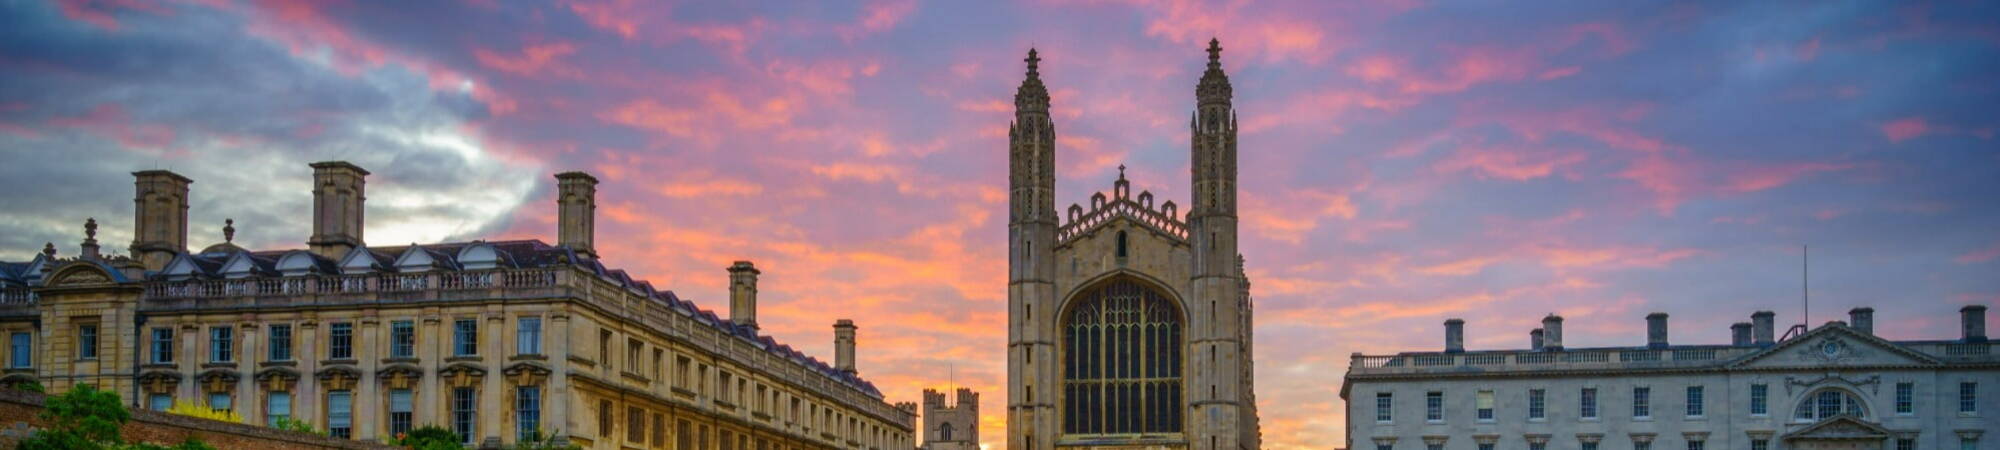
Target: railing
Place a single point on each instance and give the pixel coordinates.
(346, 284)
(16, 296)
(1968, 349)
(1121, 207)
(1547, 360)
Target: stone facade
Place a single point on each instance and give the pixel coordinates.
(1129, 325)
(495, 339)
(1837, 386)
(951, 426)
(20, 415)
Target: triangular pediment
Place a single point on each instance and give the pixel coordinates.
(1834, 345)
(1839, 428)
(181, 268)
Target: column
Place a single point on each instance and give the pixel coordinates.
(247, 402)
(428, 391)
(368, 398)
(492, 398)
(189, 360)
(556, 402)
(305, 400)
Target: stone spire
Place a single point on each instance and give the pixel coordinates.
(1214, 87)
(1032, 96)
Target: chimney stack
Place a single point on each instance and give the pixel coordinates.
(159, 219)
(1761, 327)
(843, 345)
(576, 210)
(1739, 334)
(1862, 320)
(743, 294)
(1535, 339)
(1552, 332)
(1656, 330)
(338, 194)
(1454, 336)
(1973, 317)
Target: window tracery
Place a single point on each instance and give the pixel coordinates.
(1122, 362)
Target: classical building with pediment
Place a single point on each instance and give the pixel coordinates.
(1128, 323)
(498, 341)
(1837, 386)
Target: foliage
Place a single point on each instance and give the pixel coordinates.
(89, 419)
(290, 424)
(429, 437)
(29, 386)
(538, 440)
(192, 409)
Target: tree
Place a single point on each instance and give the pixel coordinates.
(429, 437)
(537, 440)
(88, 419)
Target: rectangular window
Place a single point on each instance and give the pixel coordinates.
(340, 414)
(635, 424)
(465, 337)
(219, 402)
(1906, 398)
(340, 340)
(277, 406)
(1762, 444)
(683, 435)
(1587, 403)
(1968, 397)
(529, 340)
(401, 410)
(163, 345)
(1587, 446)
(1695, 401)
(1642, 445)
(1901, 444)
(1966, 443)
(1642, 402)
(1537, 403)
(402, 339)
(221, 344)
(1760, 398)
(1430, 446)
(1483, 402)
(528, 410)
(21, 350)
(1486, 446)
(464, 412)
(1697, 445)
(281, 342)
(1434, 406)
(1384, 447)
(86, 341)
(159, 402)
(1538, 446)
(659, 430)
(1384, 406)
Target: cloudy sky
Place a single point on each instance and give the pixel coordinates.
(1403, 162)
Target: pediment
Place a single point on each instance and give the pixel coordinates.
(1839, 428)
(1834, 345)
(181, 268)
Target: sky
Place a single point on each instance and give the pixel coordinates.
(1403, 162)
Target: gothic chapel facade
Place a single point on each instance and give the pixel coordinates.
(1129, 325)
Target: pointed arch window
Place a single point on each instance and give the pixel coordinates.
(1122, 362)
(1122, 246)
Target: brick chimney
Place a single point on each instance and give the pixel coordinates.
(1862, 320)
(1739, 334)
(1973, 321)
(576, 212)
(1656, 330)
(743, 294)
(1552, 333)
(339, 192)
(843, 345)
(159, 218)
(1535, 339)
(1761, 327)
(1454, 335)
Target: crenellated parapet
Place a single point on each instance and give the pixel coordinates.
(1164, 219)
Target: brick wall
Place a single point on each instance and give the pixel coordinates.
(18, 411)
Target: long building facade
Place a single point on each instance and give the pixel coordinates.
(496, 340)
(1128, 324)
(1836, 386)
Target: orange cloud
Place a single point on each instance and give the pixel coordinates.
(534, 60)
(1904, 129)
(1507, 164)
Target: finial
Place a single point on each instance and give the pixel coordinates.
(90, 229)
(228, 230)
(1034, 62)
(1121, 171)
(49, 249)
(1214, 51)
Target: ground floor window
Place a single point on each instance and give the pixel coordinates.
(464, 412)
(528, 410)
(401, 408)
(219, 401)
(277, 407)
(340, 414)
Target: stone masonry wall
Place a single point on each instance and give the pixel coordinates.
(18, 411)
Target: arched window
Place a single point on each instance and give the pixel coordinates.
(1122, 362)
(1826, 403)
(1121, 244)
(944, 432)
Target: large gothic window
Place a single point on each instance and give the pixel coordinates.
(1122, 362)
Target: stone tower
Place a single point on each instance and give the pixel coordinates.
(1129, 324)
(949, 426)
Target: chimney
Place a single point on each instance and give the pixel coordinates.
(576, 206)
(1760, 327)
(1656, 330)
(1552, 332)
(1739, 334)
(338, 194)
(159, 219)
(1974, 319)
(1535, 339)
(1862, 320)
(743, 294)
(843, 345)
(1454, 336)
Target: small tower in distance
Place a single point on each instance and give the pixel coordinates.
(953, 427)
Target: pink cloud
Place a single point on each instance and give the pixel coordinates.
(1907, 128)
(100, 12)
(111, 121)
(533, 61)
(1980, 255)
(1517, 165)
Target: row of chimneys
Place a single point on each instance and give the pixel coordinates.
(1759, 330)
(339, 191)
